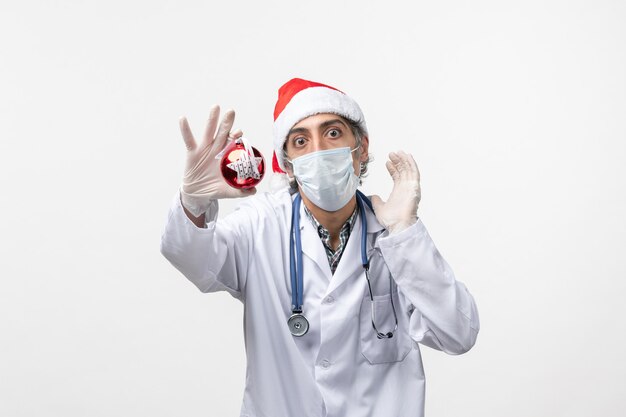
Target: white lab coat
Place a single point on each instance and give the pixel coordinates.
(339, 368)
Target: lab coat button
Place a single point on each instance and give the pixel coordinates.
(325, 364)
(329, 300)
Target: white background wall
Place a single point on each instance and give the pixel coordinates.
(514, 112)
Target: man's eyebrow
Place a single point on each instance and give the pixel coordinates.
(332, 122)
(321, 126)
(297, 130)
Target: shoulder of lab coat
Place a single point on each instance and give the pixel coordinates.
(216, 258)
(444, 315)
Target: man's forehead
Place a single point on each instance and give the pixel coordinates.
(317, 120)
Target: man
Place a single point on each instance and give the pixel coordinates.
(335, 304)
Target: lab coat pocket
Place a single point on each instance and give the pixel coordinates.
(384, 350)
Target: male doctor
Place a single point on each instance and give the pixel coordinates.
(338, 289)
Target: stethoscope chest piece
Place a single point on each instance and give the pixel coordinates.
(298, 324)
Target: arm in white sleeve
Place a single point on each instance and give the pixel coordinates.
(445, 316)
(214, 258)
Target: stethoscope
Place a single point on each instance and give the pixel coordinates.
(298, 323)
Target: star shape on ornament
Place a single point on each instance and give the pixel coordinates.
(245, 168)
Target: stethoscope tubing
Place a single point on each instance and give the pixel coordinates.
(295, 248)
(295, 261)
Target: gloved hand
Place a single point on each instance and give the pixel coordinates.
(400, 210)
(203, 181)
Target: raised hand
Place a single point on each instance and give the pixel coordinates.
(203, 181)
(400, 210)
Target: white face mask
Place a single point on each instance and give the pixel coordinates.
(327, 177)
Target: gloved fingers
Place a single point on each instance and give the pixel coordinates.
(235, 134)
(399, 161)
(394, 157)
(414, 168)
(185, 130)
(404, 165)
(391, 167)
(211, 125)
(222, 133)
(409, 166)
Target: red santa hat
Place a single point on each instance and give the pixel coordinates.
(299, 99)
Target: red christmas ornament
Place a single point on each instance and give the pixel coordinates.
(242, 165)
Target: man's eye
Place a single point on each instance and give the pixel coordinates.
(334, 133)
(299, 141)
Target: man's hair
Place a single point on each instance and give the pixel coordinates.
(358, 133)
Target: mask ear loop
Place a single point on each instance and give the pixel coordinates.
(361, 167)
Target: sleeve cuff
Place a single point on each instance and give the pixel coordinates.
(396, 239)
(210, 215)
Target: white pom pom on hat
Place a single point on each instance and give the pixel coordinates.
(299, 99)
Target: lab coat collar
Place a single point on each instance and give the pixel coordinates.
(312, 245)
(372, 222)
(350, 263)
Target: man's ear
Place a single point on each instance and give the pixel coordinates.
(288, 167)
(364, 149)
